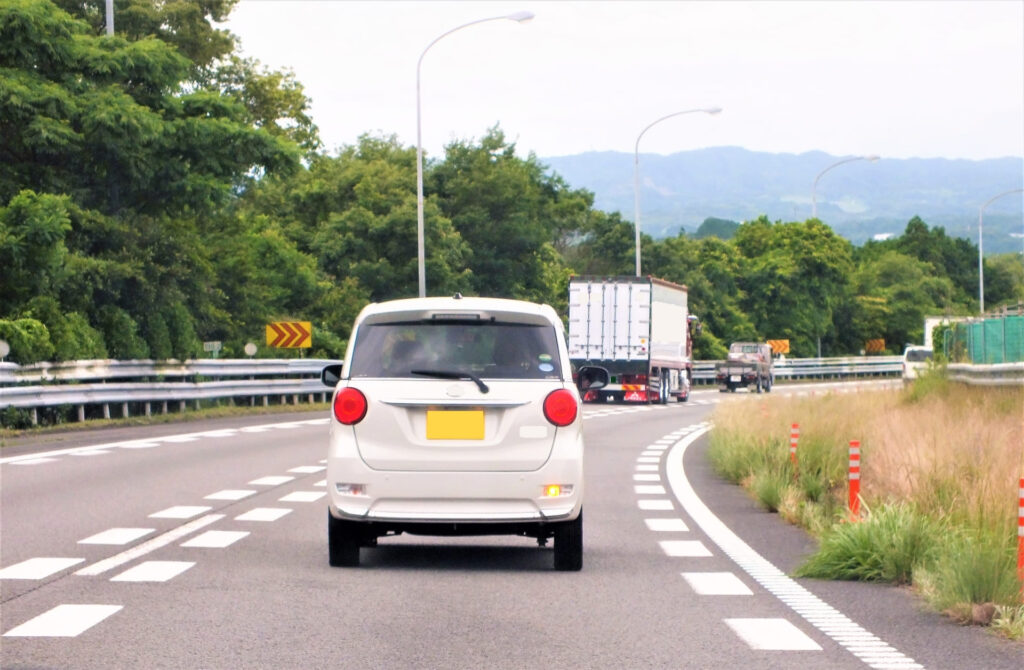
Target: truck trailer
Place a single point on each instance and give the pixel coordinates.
(639, 330)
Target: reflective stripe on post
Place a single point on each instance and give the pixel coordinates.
(794, 436)
(1020, 535)
(854, 479)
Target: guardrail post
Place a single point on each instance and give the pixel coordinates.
(181, 406)
(165, 407)
(124, 410)
(149, 409)
(81, 413)
(106, 410)
(854, 504)
(35, 417)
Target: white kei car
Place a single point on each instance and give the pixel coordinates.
(456, 416)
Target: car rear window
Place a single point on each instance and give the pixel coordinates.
(490, 350)
(918, 355)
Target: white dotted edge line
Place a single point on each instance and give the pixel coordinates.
(866, 646)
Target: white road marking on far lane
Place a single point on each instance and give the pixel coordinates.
(308, 469)
(684, 548)
(271, 481)
(38, 568)
(64, 621)
(652, 505)
(229, 494)
(149, 545)
(264, 514)
(180, 512)
(672, 525)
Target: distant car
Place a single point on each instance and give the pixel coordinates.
(456, 416)
(915, 359)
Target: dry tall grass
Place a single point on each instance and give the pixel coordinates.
(955, 452)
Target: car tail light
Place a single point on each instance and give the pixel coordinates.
(349, 406)
(560, 407)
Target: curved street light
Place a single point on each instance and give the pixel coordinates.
(636, 172)
(518, 17)
(981, 269)
(814, 190)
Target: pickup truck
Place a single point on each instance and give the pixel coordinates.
(748, 363)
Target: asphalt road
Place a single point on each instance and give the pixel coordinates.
(205, 547)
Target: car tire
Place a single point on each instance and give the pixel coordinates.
(664, 391)
(569, 545)
(343, 540)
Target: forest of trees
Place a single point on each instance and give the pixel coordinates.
(157, 191)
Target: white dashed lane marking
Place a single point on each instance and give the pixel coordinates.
(670, 525)
(685, 548)
(651, 504)
(649, 489)
(303, 496)
(271, 481)
(38, 568)
(646, 478)
(117, 536)
(716, 584)
(64, 621)
(148, 546)
(264, 514)
(216, 539)
(180, 512)
(153, 571)
(772, 635)
(308, 469)
(230, 494)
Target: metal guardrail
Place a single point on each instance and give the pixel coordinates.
(1000, 374)
(817, 368)
(52, 385)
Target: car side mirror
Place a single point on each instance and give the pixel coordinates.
(590, 378)
(331, 375)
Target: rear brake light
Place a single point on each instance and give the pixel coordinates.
(349, 406)
(560, 407)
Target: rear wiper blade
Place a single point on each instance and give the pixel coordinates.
(453, 374)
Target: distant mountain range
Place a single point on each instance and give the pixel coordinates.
(860, 200)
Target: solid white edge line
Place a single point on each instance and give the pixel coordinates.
(170, 536)
(762, 570)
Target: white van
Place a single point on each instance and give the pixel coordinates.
(915, 360)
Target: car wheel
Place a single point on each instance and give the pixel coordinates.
(342, 542)
(569, 545)
(664, 391)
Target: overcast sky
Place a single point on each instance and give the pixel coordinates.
(898, 79)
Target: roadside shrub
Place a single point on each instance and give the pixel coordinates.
(121, 333)
(888, 545)
(973, 567)
(29, 340)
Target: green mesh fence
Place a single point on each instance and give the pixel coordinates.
(995, 340)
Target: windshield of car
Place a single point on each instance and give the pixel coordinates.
(918, 355)
(492, 350)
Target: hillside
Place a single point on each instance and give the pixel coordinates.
(858, 200)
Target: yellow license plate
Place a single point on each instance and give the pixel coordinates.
(455, 425)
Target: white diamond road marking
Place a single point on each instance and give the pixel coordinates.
(666, 525)
(646, 478)
(264, 514)
(38, 568)
(716, 584)
(146, 547)
(229, 494)
(271, 481)
(64, 621)
(648, 489)
(830, 621)
(117, 536)
(308, 469)
(153, 571)
(687, 548)
(772, 635)
(180, 512)
(303, 496)
(652, 505)
(216, 539)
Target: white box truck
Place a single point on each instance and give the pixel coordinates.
(640, 330)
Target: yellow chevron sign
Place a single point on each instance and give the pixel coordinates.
(290, 334)
(874, 346)
(779, 346)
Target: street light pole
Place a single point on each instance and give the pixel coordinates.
(814, 189)
(981, 269)
(636, 172)
(519, 17)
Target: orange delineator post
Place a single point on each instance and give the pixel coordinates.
(1020, 535)
(855, 479)
(794, 436)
